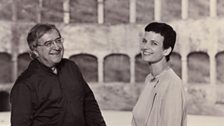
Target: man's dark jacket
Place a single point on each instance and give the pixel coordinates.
(41, 98)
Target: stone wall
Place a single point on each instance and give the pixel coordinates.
(193, 35)
(204, 35)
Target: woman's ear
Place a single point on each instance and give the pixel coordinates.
(167, 51)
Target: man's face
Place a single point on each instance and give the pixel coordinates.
(151, 47)
(49, 50)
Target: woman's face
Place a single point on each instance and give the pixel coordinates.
(151, 47)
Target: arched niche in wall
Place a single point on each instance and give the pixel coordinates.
(83, 11)
(52, 10)
(175, 63)
(171, 10)
(200, 8)
(220, 67)
(144, 11)
(26, 10)
(198, 67)
(116, 11)
(6, 10)
(4, 101)
(141, 69)
(88, 66)
(23, 62)
(6, 68)
(116, 68)
(220, 5)
(220, 77)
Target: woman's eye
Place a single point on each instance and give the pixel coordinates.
(154, 43)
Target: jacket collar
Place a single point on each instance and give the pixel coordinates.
(37, 66)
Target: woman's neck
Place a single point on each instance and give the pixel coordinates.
(159, 67)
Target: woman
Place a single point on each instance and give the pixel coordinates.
(162, 102)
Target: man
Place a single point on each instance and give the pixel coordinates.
(52, 91)
(162, 102)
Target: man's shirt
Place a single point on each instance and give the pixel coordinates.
(41, 97)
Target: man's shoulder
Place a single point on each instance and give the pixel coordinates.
(25, 76)
(22, 80)
(67, 63)
(29, 75)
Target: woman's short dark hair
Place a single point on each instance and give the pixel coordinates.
(166, 31)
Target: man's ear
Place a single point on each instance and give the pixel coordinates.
(167, 51)
(33, 54)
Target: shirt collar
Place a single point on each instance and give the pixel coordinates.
(159, 76)
(37, 65)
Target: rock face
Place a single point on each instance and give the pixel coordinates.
(204, 35)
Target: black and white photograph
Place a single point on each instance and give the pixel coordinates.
(111, 62)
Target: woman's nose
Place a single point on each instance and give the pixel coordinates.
(145, 46)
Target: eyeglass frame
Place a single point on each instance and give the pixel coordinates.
(50, 43)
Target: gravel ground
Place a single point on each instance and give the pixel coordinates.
(123, 118)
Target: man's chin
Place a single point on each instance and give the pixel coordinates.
(56, 57)
(58, 60)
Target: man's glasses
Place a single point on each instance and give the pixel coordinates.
(50, 43)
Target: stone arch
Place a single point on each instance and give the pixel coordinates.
(4, 101)
(141, 69)
(23, 62)
(88, 65)
(6, 68)
(116, 68)
(220, 67)
(175, 63)
(198, 67)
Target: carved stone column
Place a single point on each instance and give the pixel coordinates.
(132, 69)
(100, 69)
(184, 9)
(100, 11)
(66, 8)
(213, 8)
(157, 11)
(132, 11)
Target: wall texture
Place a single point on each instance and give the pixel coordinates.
(204, 35)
